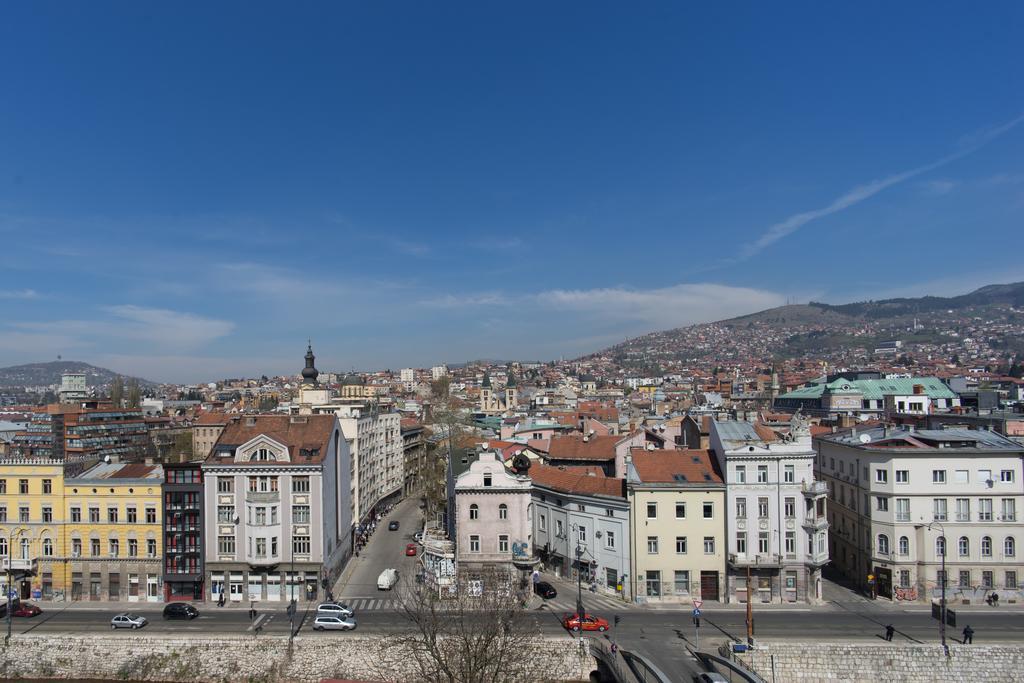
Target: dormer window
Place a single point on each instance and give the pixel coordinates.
(262, 454)
(487, 479)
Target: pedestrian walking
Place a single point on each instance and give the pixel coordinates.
(968, 635)
(889, 630)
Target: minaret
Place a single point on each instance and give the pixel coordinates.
(775, 385)
(309, 373)
(511, 393)
(485, 394)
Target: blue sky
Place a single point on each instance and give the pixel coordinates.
(189, 191)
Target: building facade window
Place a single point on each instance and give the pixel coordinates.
(1009, 547)
(939, 509)
(653, 583)
(652, 545)
(503, 511)
(474, 511)
(963, 547)
(652, 511)
(902, 476)
(986, 546)
(741, 508)
(904, 545)
(301, 545)
(709, 545)
(762, 474)
(474, 543)
(709, 510)
(132, 513)
(503, 543)
(883, 544)
(609, 540)
(680, 545)
(741, 474)
(938, 476)
(680, 510)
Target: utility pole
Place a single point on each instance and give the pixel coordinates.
(750, 610)
(579, 575)
(10, 579)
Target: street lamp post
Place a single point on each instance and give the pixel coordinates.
(14, 534)
(942, 606)
(579, 573)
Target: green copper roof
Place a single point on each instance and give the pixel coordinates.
(876, 388)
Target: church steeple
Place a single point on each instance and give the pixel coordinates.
(310, 373)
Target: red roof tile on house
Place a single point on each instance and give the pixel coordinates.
(306, 436)
(661, 466)
(573, 447)
(580, 480)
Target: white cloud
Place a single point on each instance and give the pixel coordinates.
(18, 294)
(860, 193)
(467, 300)
(939, 187)
(661, 308)
(158, 328)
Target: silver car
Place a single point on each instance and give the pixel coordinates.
(126, 620)
(333, 609)
(325, 622)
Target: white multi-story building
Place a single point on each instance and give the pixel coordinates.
(276, 488)
(902, 498)
(494, 521)
(438, 371)
(408, 377)
(776, 526)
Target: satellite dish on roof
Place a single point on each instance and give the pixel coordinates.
(865, 438)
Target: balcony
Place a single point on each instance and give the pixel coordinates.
(814, 488)
(20, 564)
(817, 559)
(815, 523)
(767, 560)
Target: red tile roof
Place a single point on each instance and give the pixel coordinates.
(573, 447)
(306, 436)
(661, 467)
(580, 480)
(212, 418)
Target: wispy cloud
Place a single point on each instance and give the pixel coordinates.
(18, 294)
(938, 187)
(467, 300)
(969, 144)
(156, 327)
(408, 247)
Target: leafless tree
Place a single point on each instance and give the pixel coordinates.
(477, 633)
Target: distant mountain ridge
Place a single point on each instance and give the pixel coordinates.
(792, 330)
(46, 374)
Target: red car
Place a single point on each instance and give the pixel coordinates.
(410, 549)
(27, 610)
(588, 623)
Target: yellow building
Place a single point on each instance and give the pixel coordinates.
(32, 515)
(677, 525)
(113, 530)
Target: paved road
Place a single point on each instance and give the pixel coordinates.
(385, 549)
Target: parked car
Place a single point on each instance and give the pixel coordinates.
(710, 677)
(326, 622)
(545, 590)
(387, 579)
(333, 609)
(26, 610)
(180, 610)
(418, 537)
(588, 623)
(393, 525)
(410, 549)
(126, 620)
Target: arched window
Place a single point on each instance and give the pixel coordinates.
(1009, 546)
(474, 511)
(940, 546)
(3, 546)
(964, 546)
(262, 454)
(986, 546)
(26, 548)
(904, 545)
(503, 511)
(47, 547)
(883, 544)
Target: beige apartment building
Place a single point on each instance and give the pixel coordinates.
(677, 518)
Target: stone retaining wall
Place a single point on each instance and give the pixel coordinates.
(807, 663)
(265, 659)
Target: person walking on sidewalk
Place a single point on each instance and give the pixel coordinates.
(889, 630)
(968, 635)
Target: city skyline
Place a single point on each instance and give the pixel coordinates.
(415, 185)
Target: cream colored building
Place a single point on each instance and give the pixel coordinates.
(677, 526)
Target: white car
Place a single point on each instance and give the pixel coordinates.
(333, 609)
(325, 622)
(418, 537)
(125, 620)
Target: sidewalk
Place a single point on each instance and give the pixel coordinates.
(115, 606)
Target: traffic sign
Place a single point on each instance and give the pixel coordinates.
(696, 612)
(697, 604)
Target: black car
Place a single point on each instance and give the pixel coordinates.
(180, 610)
(545, 590)
(393, 526)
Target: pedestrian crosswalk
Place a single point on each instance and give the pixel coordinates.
(369, 604)
(592, 602)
